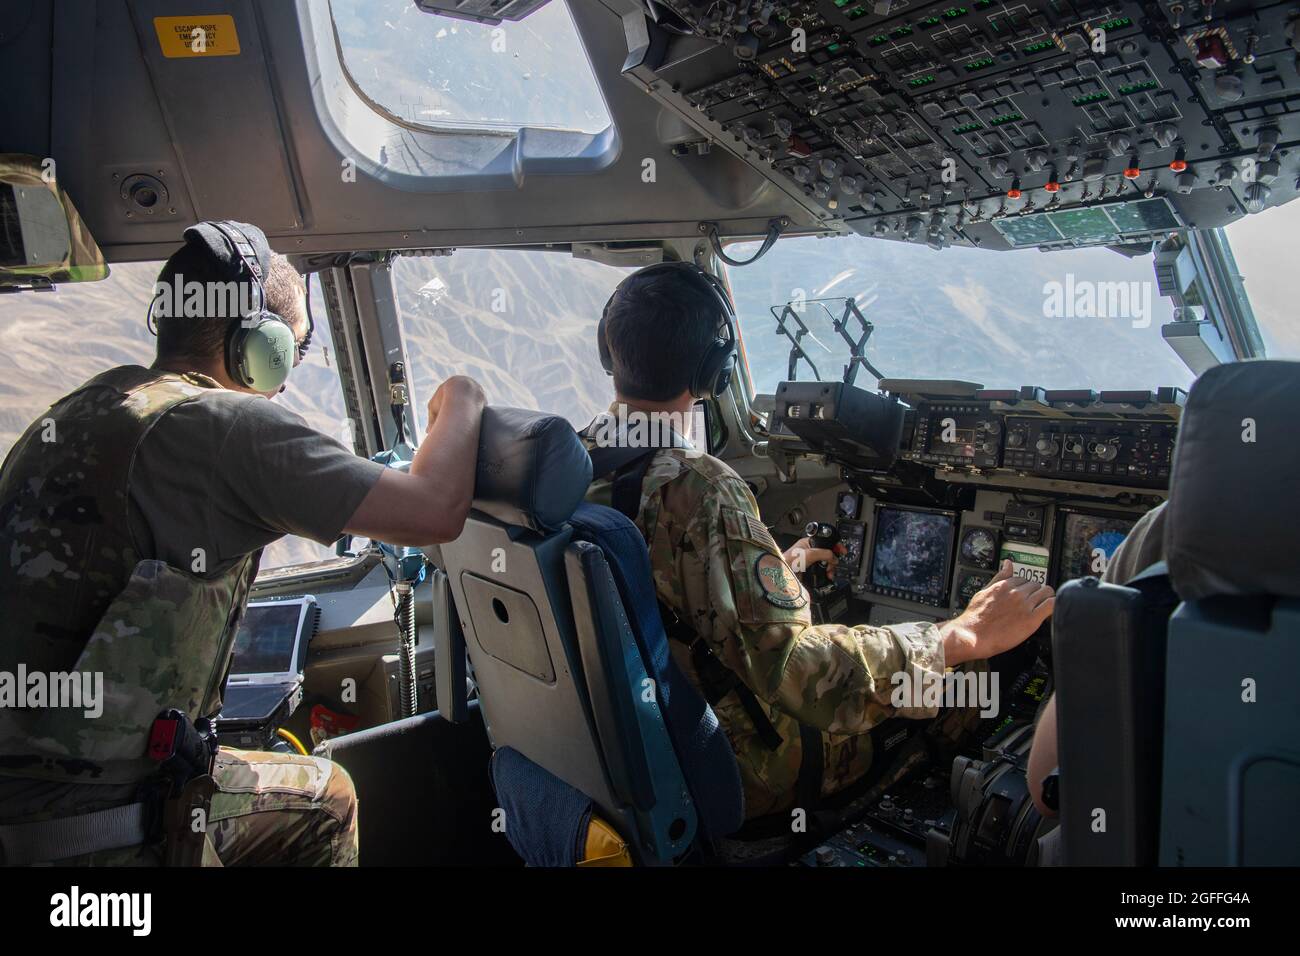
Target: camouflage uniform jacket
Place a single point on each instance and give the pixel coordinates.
(79, 599)
(718, 568)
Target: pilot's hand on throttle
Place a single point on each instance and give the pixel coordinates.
(457, 389)
(1004, 614)
(802, 555)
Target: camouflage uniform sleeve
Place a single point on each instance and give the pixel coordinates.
(750, 605)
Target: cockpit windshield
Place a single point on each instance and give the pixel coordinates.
(1086, 317)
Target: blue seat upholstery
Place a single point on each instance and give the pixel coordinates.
(560, 623)
(701, 746)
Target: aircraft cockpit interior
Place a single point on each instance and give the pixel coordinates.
(1005, 282)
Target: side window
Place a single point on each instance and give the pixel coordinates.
(1263, 245)
(51, 342)
(522, 323)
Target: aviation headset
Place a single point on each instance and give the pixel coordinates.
(713, 372)
(260, 345)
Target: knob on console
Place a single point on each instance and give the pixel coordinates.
(1105, 451)
(1047, 446)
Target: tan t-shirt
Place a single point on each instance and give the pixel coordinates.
(231, 472)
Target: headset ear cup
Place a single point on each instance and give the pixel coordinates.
(723, 381)
(602, 346)
(713, 374)
(234, 353)
(260, 356)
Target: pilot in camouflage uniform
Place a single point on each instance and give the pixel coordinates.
(718, 569)
(160, 636)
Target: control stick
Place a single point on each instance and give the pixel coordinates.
(820, 535)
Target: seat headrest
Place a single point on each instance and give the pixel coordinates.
(533, 470)
(1230, 527)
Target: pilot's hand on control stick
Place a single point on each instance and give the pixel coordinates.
(457, 389)
(1004, 614)
(802, 555)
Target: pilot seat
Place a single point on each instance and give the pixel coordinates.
(603, 751)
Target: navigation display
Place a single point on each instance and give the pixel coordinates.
(912, 554)
(1086, 543)
(958, 440)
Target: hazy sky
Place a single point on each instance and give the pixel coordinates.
(1265, 248)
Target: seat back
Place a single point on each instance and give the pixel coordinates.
(1232, 715)
(1176, 722)
(1108, 646)
(571, 672)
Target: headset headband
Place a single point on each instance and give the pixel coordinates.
(702, 278)
(713, 371)
(244, 248)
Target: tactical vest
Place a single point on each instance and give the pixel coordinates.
(76, 598)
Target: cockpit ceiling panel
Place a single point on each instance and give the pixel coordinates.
(267, 128)
(940, 122)
(918, 121)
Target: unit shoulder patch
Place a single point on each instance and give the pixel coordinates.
(778, 585)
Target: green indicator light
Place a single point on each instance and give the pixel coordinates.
(900, 32)
(1005, 118)
(968, 128)
(1116, 24)
(1040, 46)
(878, 39)
(834, 48)
(983, 4)
(979, 64)
(931, 22)
(856, 12)
(1138, 87)
(921, 81)
(842, 3)
(1091, 98)
(952, 13)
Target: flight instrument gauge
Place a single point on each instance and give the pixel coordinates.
(979, 548)
(970, 585)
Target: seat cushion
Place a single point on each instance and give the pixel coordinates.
(550, 837)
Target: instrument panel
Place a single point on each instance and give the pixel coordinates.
(934, 560)
(1123, 437)
(1002, 124)
(1050, 480)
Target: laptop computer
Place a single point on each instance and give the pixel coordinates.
(266, 672)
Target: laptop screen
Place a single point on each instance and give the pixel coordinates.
(267, 640)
